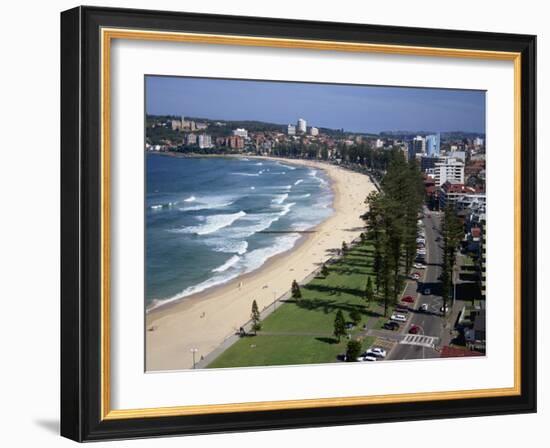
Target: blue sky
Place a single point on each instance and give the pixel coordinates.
(354, 108)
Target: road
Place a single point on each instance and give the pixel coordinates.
(431, 322)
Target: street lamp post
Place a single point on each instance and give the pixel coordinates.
(193, 351)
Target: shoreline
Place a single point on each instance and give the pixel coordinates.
(204, 320)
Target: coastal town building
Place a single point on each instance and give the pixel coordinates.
(471, 202)
(451, 191)
(240, 132)
(448, 169)
(478, 141)
(205, 141)
(302, 125)
(291, 129)
(235, 142)
(314, 132)
(419, 144)
(433, 143)
(455, 154)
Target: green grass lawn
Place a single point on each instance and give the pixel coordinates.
(300, 332)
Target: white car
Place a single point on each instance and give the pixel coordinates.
(367, 358)
(423, 307)
(421, 240)
(376, 352)
(398, 318)
(419, 266)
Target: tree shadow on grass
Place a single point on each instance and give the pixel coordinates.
(328, 306)
(330, 341)
(332, 290)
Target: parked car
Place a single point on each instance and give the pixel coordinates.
(423, 308)
(376, 351)
(367, 358)
(407, 299)
(398, 318)
(419, 266)
(415, 275)
(393, 326)
(415, 329)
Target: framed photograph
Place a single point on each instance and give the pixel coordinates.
(276, 224)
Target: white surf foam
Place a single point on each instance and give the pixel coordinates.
(280, 198)
(229, 246)
(246, 174)
(213, 223)
(224, 267)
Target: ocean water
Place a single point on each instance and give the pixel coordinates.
(209, 220)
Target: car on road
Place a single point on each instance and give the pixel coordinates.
(393, 326)
(367, 358)
(419, 266)
(407, 299)
(427, 291)
(415, 275)
(415, 329)
(423, 308)
(376, 351)
(398, 317)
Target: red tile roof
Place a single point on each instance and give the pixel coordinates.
(453, 352)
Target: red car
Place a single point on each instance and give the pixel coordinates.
(407, 299)
(414, 329)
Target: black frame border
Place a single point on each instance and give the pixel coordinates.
(81, 223)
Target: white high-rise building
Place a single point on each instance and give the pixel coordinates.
(291, 129)
(205, 141)
(240, 132)
(302, 125)
(314, 131)
(449, 169)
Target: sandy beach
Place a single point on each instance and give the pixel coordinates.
(203, 321)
